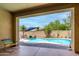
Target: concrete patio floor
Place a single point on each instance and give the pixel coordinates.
(36, 51)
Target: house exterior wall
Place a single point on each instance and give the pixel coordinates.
(5, 24)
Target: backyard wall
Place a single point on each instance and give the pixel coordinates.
(5, 24)
(41, 34)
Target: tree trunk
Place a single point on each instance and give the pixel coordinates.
(48, 34)
(23, 33)
(57, 34)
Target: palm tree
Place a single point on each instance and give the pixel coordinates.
(23, 28)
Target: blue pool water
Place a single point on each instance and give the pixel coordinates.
(50, 40)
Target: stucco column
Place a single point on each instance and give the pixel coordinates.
(76, 28)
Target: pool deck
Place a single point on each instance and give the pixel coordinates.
(27, 50)
(36, 51)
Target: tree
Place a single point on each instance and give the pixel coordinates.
(47, 30)
(62, 27)
(56, 25)
(23, 28)
(67, 23)
(52, 26)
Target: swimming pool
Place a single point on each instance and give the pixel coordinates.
(59, 43)
(62, 41)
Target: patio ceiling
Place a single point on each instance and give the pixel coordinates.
(12, 7)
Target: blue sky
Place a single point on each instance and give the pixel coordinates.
(43, 20)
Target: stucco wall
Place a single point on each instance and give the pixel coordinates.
(5, 24)
(41, 34)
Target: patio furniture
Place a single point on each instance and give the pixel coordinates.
(5, 44)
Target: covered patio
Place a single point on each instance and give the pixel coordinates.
(8, 28)
(36, 51)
